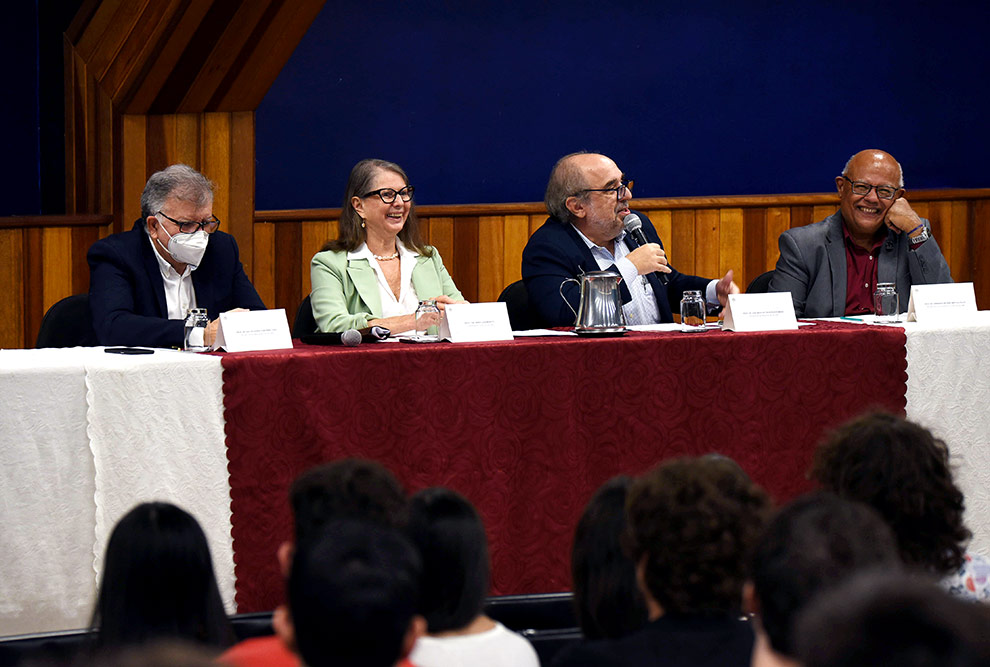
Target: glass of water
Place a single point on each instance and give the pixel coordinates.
(885, 302)
(692, 311)
(428, 320)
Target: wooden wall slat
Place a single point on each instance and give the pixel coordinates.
(215, 142)
(263, 258)
(980, 251)
(34, 306)
(515, 238)
(959, 256)
(731, 247)
(680, 249)
(441, 237)
(465, 264)
(241, 186)
(754, 243)
(706, 242)
(12, 276)
(314, 235)
(56, 257)
(490, 250)
(289, 266)
(779, 220)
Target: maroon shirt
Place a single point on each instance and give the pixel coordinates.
(861, 275)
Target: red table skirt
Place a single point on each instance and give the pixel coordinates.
(528, 430)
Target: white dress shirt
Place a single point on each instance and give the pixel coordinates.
(407, 301)
(180, 296)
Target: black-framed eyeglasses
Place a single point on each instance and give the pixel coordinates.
(618, 189)
(863, 188)
(388, 195)
(209, 226)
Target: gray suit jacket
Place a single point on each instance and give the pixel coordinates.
(812, 267)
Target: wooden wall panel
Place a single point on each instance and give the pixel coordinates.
(482, 245)
(264, 264)
(12, 278)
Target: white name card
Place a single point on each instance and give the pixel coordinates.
(946, 303)
(772, 311)
(475, 322)
(251, 330)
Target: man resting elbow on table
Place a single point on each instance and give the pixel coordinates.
(378, 270)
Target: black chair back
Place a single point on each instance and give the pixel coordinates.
(521, 315)
(305, 323)
(760, 284)
(68, 323)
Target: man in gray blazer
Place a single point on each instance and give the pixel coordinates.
(832, 267)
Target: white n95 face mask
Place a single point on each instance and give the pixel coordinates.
(186, 248)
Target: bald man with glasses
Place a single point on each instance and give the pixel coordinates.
(832, 267)
(587, 198)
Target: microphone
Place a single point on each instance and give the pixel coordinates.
(634, 227)
(350, 338)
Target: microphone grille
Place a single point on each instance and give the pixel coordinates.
(632, 222)
(351, 338)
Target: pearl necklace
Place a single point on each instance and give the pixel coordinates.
(385, 258)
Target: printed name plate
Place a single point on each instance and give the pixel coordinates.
(251, 330)
(475, 322)
(773, 311)
(948, 303)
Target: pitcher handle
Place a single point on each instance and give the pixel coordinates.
(561, 290)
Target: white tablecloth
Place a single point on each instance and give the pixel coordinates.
(948, 391)
(71, 423)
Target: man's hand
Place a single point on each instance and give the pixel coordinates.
(210, 333)
(649, 258)
(901, 217)
(725, 287)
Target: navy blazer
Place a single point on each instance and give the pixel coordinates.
(556, 252)
(127, 292)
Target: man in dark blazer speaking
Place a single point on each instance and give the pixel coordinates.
(587, 199)
(143, 282)
(832, 267)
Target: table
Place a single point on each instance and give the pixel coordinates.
(528, 430)
(84, 436)
(49, 458)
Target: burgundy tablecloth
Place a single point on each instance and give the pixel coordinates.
(528, 430)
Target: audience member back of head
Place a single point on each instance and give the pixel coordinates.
(690, 526)
(353, 592)
(158, 582)
(607, 599)
(813, 544)
(893, 620)
(450, 537)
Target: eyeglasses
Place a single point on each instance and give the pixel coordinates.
(388, 195)
(862, 188)
(209, 226)
(618, 190)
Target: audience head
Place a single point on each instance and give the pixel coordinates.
(609, 604)
(362, 180)
(178, 182)
(346, 489)
(813, 544)
(353, 592)
(891, 619)
(158, 581)
(450, 537)
(902, 471)
(692, 523)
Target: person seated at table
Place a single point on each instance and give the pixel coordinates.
(158, 582)
(450, 538)
(691, 522)
(832, 267)
(607, 601)
(900, 469)
(812, 545)
(353, 489)
(378, 269)
(142, 283)
(353, 592)
(588, 199)
(888, 619)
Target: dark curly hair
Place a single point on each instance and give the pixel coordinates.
(901, 470)
(694, 521)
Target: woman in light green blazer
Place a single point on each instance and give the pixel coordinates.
(378, 269)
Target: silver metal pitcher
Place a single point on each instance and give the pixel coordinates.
(600, 309)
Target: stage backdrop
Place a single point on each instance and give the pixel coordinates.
(478, 99)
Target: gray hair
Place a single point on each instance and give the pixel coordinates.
(179, 181)
(564, 182)
(900, 184)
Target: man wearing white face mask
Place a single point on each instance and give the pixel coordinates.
(143, 282)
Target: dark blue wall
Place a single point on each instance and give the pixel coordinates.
(20, 193)
(478, 99)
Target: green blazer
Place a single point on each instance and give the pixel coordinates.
(345, 293)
